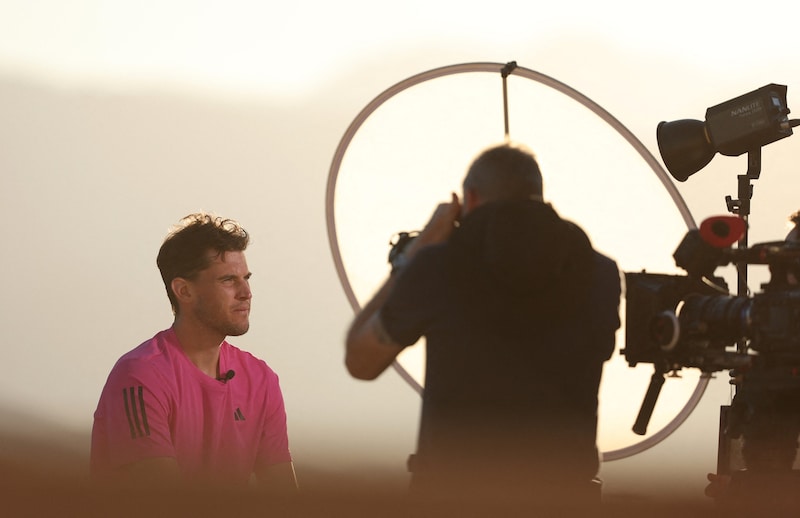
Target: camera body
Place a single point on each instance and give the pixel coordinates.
(675, 321)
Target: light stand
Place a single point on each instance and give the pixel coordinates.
(741, 207)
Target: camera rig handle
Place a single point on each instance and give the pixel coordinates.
(649, 403)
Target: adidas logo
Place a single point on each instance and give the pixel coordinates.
(238, 415)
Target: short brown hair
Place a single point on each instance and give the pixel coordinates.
(189, 248)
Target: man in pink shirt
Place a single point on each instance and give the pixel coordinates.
(187, 406)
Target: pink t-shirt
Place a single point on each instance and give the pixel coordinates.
(156, 403)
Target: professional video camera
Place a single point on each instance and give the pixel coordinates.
(675, 321)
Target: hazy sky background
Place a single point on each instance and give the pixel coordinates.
(121, 117)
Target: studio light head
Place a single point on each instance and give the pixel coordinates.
(732, 128)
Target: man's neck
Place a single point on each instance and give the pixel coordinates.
(200, 345)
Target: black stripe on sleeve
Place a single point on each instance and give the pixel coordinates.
(132, 411)
(135, 412)
(144, 414)
(128, 413)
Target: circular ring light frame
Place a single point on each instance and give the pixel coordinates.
(498, 68)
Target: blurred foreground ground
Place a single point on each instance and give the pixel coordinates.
(44, 476)
(40, 480)
(24, 495)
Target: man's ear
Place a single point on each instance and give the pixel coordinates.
(181, 289)
(471, 200)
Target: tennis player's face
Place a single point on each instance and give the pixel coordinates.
(223, 295)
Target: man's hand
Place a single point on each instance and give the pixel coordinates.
(439, 228)
(369, 350)
(278, 479)
(718, 486)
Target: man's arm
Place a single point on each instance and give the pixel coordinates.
(131, 439)
(369, 349)
(278, 478)
(156, 472)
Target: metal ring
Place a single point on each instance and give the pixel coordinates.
(499, 68)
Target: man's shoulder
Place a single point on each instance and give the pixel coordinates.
(432, 255)
(606, 275)
(152, 355)
(151, 349)
(605, 264)
(426, 266)
(434, 251)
